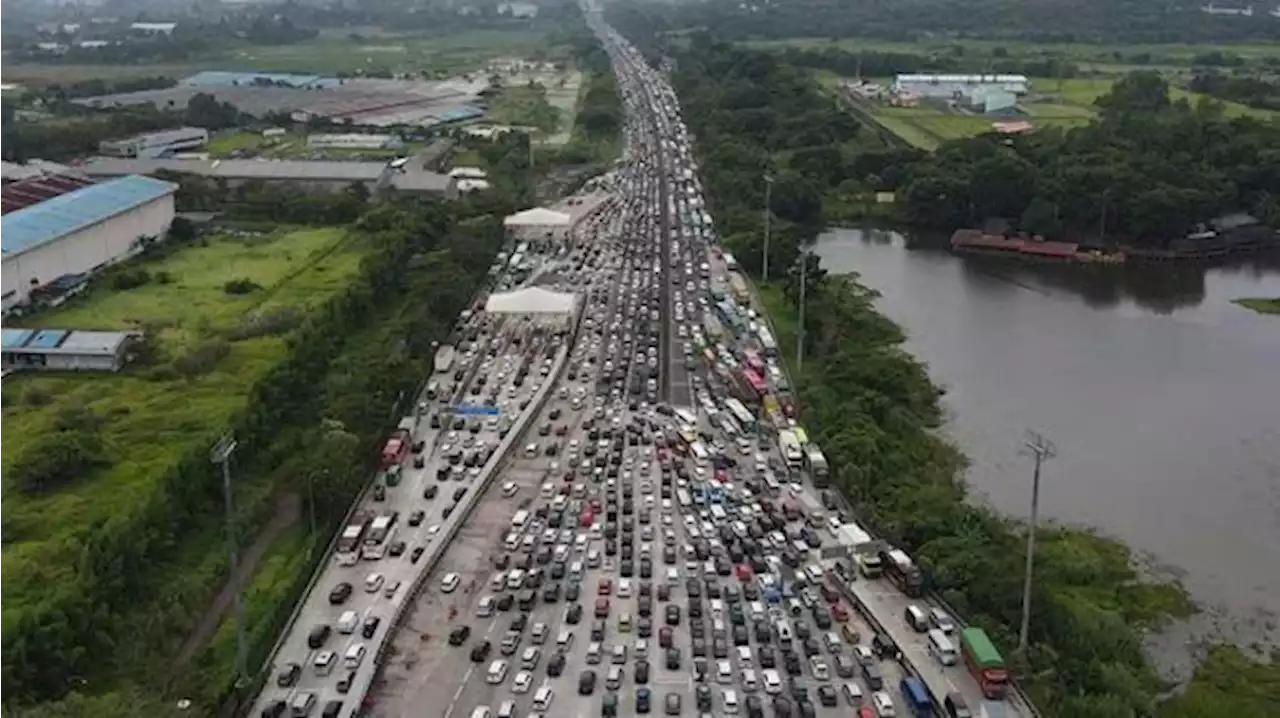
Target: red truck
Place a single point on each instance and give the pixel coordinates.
(396, 448)
(985, 663)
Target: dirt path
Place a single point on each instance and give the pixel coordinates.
(288, 511)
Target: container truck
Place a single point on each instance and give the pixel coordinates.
(816, 462)
(903, 572)
(984, 662)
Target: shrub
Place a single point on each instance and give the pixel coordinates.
(241, 286)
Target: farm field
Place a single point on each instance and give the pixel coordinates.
(150, 417)
(1051, 103)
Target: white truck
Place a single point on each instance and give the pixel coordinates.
(790, 448)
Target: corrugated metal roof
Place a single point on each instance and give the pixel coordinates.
(47, 339)
(62, 215)
(222, 78)
(40, 188)
(14, 338)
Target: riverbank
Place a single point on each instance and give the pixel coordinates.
(875, 412)
(1260, 305)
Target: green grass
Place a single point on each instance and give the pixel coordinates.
(1261, 305)
(527, 106)
(228, 142)
(150, 420)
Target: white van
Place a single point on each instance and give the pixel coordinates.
(916, 618)
(731, 702)
(354, 656)
(325, 660)
(941, 647)
(348, 622)
(813, 573)
(542, 699)
(564, 641)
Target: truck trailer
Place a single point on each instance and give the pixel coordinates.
(816, 463)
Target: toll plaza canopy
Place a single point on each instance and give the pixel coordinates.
(533, 300)
(538, 219)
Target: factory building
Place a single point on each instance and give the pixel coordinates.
(156, 144)
(956, 86)
(354, 141)
(63, 350)
(79, 232)
(990, 101)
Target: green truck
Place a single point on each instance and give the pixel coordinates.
(984, 662)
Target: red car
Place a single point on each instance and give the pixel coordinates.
(839, 612)
(664, 637)
(602, 608)
(604, 588)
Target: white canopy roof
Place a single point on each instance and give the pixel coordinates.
(537, 217)
(534, 300)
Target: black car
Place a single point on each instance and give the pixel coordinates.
(481, 651)
(340, 594)
(370, 626)
(828, 697)
(415, 518)
(344, 684)
(288, 675)
(430, 492)
(319, 635)
(459, 635)
(555, 667)
(587, 683)
(396, 549)
(574, 615)
(416, 554)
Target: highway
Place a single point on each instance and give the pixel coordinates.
(621, 512)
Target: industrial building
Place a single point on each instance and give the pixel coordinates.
(80, 232)
(990, 101)
(353, 141)
(317, 176)
(63, 350)
(37, 188)
(156, 144)
(956, 86)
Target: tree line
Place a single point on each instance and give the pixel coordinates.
(1252, 90)
(1038, 21)
(423, 263)
(876, 414)
(1147, 171)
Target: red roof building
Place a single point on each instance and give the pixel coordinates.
(28, 192)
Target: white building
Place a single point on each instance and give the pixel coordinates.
(538, 222)
(81, 232)
(472, 173)
(949, 86)
(156, 144)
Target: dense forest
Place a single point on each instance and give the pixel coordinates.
(874, 411)
(1148, 21)
(1250, 90)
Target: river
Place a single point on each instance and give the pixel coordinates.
(1161, 396)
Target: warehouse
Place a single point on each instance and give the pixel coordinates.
(157, 144)
(954, 86)
(318, 176)
(80, 232)
(63, 350)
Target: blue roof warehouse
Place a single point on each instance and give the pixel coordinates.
(80, 232)
(60, 349)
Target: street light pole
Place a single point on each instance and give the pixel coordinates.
(804, 269)
(221, 454)
(1041, 450)
(768, 197)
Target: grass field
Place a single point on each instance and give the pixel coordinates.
(328, 53)
(150, 420)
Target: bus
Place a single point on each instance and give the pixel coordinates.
(700, 453)
(718, 513)
(739, 412)
(381, 533)
(767, 341)
(688, 435)
(686, 417)
(753, 361)
(755, 382)
(683, 498)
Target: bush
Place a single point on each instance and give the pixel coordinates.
(57, 458)
(241, 286)
(202, 358)
(127, 279)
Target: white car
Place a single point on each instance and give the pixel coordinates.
(450, 582)
(522, 683)
(373, 582)
(883, 704)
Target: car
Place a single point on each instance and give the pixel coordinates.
(883, 704)
(318, 635)
(416, 554)
(555, 667)
(459, 635)
(340, 593)
(430, 492)
(450, 582)
(522, 683)
(344, 684)
(415, 518)
(587, 683)
(288, 675)
(673, 704)
(480, 652)
(642, 700)
(370, 626)
(373, 582)
(828, 697)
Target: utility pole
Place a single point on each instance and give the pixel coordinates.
(221, 454)
(1041, 450)
(768, 196)
(804, 269)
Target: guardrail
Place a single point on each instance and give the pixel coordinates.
(879, 628)
(490, 471)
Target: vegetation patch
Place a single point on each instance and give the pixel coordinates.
(1261, 305)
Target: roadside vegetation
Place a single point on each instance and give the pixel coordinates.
(876, 414)
(1261, 305)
